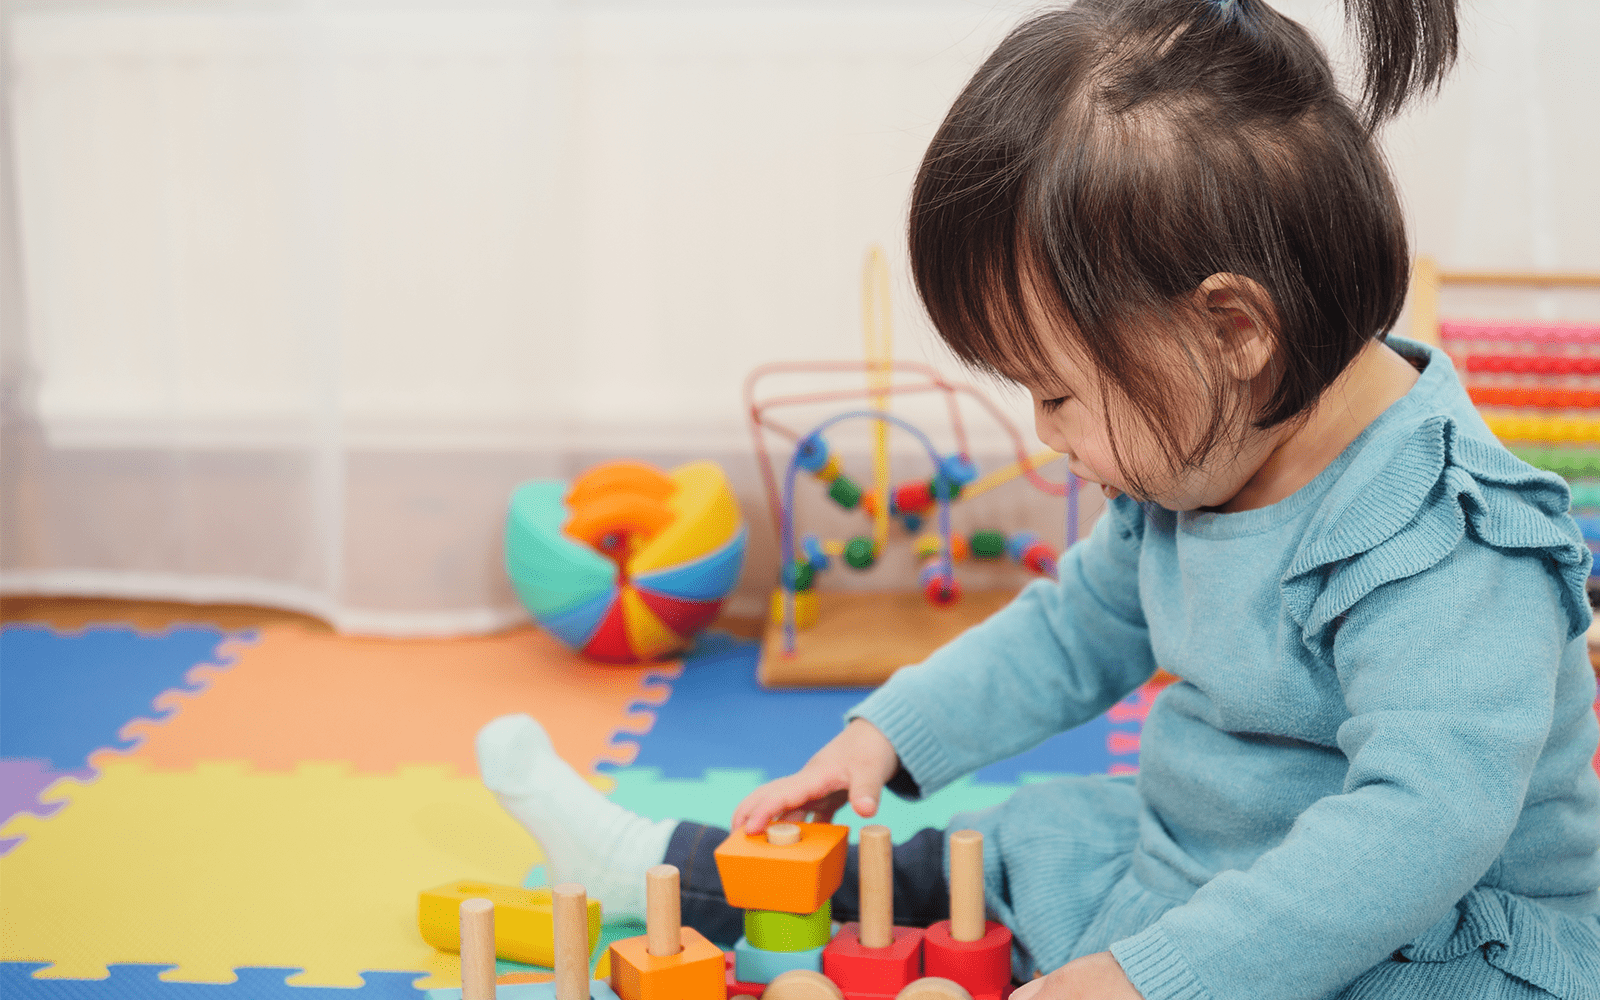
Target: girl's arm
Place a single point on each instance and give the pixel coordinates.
(1450, 680)
(1054, 658)
(1057, 656)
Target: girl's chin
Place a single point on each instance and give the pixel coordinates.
(1110, 492)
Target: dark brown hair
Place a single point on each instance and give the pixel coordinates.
(1109, 157)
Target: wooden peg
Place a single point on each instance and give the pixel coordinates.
(934, 988)
(783, 834)
(663, 915)
(571, 927)
(477, 949)
(877, 887)
(802, 984)
(966, 886)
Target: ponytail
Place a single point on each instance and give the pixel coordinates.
(1407, 45)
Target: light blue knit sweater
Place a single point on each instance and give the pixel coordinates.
(1385, 707)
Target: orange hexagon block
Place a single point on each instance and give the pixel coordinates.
(698, 972)
(793, 878)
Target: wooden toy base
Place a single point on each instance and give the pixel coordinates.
(861, 638)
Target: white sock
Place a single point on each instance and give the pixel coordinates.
(586, 837)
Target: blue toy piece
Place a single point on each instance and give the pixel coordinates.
(912, 522)
(957, 469)
(1019, 543)
(812, 453)
(757, 965)
(816, 558)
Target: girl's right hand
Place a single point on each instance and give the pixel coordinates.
(853, 767)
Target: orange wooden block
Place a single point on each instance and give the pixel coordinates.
(792, 878)
(698, 972)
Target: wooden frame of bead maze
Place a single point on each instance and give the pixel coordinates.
(829, 639)
(1536, 382)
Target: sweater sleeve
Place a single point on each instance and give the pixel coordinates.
(1449, 678)
(1446, 629)
(1056, 657)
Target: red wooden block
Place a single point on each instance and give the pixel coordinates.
(873, 971)
(735, 987)
(982, 966)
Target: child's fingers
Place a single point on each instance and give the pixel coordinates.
(864, 794)
(797, 792)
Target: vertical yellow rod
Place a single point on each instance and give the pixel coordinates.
(1425, 301)
(879, 342)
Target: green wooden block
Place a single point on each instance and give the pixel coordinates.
(770, 930)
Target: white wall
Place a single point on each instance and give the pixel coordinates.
(305, 287)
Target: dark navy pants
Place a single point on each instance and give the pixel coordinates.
(921, 895)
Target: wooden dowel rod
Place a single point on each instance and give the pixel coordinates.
(662, 914)
(877, 887)
(1538, 279)
(966, 886)
(477, 949)
(571, 917)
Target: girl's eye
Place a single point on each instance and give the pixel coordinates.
(1052, 405)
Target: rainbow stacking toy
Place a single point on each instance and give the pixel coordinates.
(629, 562)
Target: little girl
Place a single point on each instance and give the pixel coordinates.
(1373, 778)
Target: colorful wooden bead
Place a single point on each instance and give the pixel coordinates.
(988, 544)
(942, 590)
(1020, 542)
(799, 576)
(816, 555)
(807, 608)
(845, 492)
(860, 552)
(912, 498)
(811, 454)
(1040, 558)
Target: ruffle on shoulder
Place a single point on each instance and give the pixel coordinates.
(1440, 487)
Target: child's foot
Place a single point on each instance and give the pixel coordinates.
(586, 837)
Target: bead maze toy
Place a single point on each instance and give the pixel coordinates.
(573, 929)
(628, 563)
(817, 638)
(790, 872)
(1536, 382)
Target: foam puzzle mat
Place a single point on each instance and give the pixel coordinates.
(202, 814)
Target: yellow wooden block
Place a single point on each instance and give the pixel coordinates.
(794, 878)
(698, 972)
(524, 923)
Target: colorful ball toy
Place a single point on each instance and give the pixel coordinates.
(629, 562)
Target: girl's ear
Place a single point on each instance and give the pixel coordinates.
(1244, 321)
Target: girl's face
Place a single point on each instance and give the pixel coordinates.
(1070, 416)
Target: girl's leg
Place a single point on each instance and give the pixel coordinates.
(921, 895)
(586, 837)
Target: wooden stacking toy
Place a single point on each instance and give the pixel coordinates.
(570, 908)
(874, 958)
(967, 948)
(669, 961)
(784, 879)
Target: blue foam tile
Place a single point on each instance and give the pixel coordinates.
(67, 695)
(142, 982)
(719, 717)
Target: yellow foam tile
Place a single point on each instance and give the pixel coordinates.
(222, 867)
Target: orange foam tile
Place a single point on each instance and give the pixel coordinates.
(296, 695)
